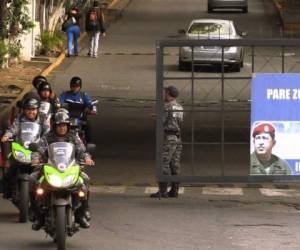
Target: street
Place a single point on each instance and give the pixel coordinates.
(123, 79)
(198, 220)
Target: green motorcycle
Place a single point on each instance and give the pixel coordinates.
(20, 159)
(60, 192)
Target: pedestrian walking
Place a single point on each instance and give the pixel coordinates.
(72, 28)
(94, 26)
(171, 155)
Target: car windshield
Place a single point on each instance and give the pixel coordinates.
(210, 29)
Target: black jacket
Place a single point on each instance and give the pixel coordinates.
(99, 26)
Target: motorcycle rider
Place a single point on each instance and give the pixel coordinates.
(45, 93)
(78, 102)
(29, 113)
(61, 133)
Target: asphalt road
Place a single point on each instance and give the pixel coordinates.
(132, 221)
(123, 79)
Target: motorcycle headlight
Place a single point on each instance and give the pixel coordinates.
(68, 180)
(55, 181)
(20, 156)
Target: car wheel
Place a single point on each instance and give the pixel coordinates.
(236, 67)
(245, 10)
(209, 9)
(182, 66)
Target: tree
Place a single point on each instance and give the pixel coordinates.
(14, 21)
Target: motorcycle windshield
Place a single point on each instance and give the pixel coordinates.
(29, 132)
(76, 109)
(61, 155)
(45, 108)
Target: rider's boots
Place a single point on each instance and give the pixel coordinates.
(80, 216)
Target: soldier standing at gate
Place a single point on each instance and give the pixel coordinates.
(172, 120)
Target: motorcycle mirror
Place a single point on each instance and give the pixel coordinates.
(33, 146)
(91, 148)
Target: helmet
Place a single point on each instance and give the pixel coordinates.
(44, 86)
(76, 81)
(38, 80)
(30, 103)
(172, 91)
(63, 110)
(61, 117)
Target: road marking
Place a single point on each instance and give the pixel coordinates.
(278, 192)
(151, 190)
(109, 189)
(222, 191)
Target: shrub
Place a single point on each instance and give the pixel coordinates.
(52, 42)
(3, 49)
(14, 48)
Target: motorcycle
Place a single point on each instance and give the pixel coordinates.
(78, 117)
(20, 158)
(60, 191)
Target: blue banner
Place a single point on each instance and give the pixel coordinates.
(275, 124)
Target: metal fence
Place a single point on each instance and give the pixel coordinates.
(217, 106)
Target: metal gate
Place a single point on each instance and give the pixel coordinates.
(217, 107)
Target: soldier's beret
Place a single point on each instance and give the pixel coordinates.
(173, 91)
(264, 128)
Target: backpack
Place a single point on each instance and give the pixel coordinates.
(93, 17)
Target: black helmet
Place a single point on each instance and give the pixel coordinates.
(38, 80)
(76, 81)
(172, 91)
(61, 117)
(30, 103)
(44, 86)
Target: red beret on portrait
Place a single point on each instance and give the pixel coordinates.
(264, 128)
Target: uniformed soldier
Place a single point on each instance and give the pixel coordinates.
(263, 162)
(172, 120)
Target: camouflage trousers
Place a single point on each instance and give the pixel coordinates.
(171, 156)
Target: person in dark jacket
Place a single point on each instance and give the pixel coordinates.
(94, 26)
(73, 30)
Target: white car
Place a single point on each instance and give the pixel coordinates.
(227, 4)
(212, 55)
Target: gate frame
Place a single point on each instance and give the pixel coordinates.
(253, 43)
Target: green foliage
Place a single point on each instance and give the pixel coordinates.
(14, 48)
(17, 20)
(3, 49)
(52, 42)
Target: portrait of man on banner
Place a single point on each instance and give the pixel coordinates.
(275, 124)
(263, 161)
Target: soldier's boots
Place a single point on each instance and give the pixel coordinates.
(173, 193)
(162, 192)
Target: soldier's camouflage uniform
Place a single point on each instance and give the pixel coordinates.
(172, 120)
(11, 175)
(275, 166)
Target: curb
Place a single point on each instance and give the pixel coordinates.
(201, 185)
(45, 73)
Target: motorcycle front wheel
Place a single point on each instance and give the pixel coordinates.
(60, 227)
(24, 201)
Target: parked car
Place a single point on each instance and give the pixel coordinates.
(212, 55)
(227, 4)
